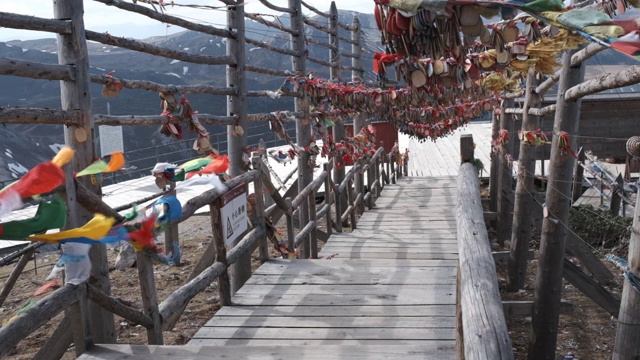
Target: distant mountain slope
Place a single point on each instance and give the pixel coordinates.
(17, 149)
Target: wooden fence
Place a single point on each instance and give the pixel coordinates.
(345, 194)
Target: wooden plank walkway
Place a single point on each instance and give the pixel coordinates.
(385, 291)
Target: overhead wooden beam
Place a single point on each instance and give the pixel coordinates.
(580, 56)
(21, 115)
(152, 86)
(24, 22)
(627, 77)
(168, 19)
(151, 120)
(158, 50)
(36, 70)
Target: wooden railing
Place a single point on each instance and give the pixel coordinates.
(215, 261)
(481, 329)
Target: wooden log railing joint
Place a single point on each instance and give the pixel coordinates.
(36, 70)
(116, 307)
(25, 22)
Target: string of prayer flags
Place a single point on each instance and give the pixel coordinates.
(91, 232)
(217, 164)
(100, 166)
(50, 215)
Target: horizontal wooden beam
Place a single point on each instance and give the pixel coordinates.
(490, 216)
(321, 62)
(168, 19)
(525, 308)
(36, 70)
(591, 288)
(156, 120)
(349, 55)
(277, 8)
(158, 50)
(261, 70)
(352, 42)
(41, 312)
(320, 27)
(168, 89)
(308, 6)
(21, 115)
(24, 22)
(272, 48)
(352, 68)
(311, 40)
(533, 111)
(269, 93)
(273, 24)
(304, 233)
(312, 186)
(245, 244)
(627, 77)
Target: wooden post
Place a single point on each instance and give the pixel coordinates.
(15, 274)
(264, 159)
(290, 234)
(149, 297)
(263, 245)
(495, 164)
(172, 235)
(224, 285)
(392, 162)
(237, 106)
(578, 175)
(466, 148)
(334, 74)
(548, 288)
(505, 178)
(616, 199)
(522, 208)
(76, 95)
(303, 124)
(627, 346)
(459, 327)
(313, 234)
(371, 174)
(328, 199)
(351, 195)
(79, 323)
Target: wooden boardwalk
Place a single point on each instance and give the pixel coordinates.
(385, 291)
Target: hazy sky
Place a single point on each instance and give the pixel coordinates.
(100, 17)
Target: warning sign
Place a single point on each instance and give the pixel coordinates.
(233, 213)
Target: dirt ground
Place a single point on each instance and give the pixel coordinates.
(195, 235)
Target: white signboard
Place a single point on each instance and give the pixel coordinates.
(233, 214)
(110, 140)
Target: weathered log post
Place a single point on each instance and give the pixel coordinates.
(237, 106)
(522, 208)
(359, 119)
(263, 246)
(224, 284)
(505, 178)
(290, 234)
(616, 199)
(484, 333)
(264, 159)
(495, 165)
(334, 74)
(627, 345)
(303, 124)
(313, 234)
(76, 95)
(548, 290)
(329, 199)
(149, 297)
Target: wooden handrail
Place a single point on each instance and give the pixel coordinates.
(36, 70)
(108, 303)
(313, 186)
(484, 329)
(44, 310)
